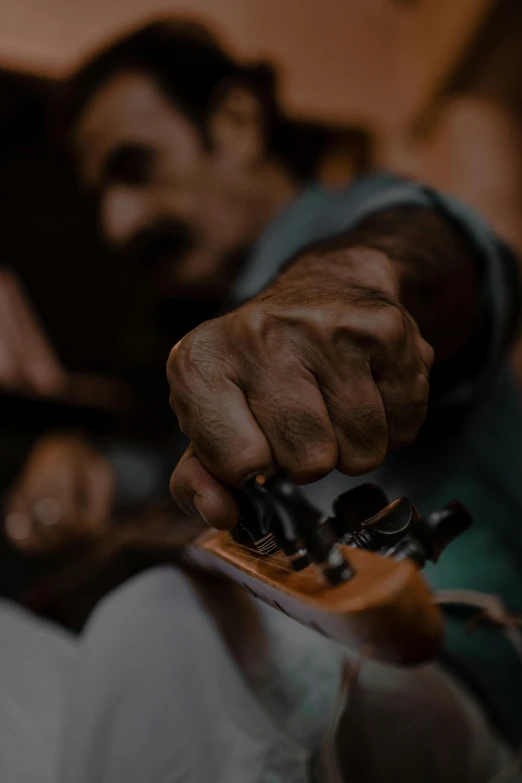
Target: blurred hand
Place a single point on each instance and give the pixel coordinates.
(325, 369)
(64, 495)
(27, 360)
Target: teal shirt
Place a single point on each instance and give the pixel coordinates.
(471, 446)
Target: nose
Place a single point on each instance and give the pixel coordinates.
(124, 212)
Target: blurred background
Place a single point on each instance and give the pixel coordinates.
(431, 89)
(427, 88)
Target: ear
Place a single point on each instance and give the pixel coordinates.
(236, 127)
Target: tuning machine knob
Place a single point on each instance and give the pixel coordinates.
(363, 518)
(352, 508)
(434, 532)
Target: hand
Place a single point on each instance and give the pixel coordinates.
(325, 369)
(27, 360)
(64, 495)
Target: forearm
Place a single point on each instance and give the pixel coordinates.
(426, 264)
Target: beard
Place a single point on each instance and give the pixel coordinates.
(168, 241)
(170, 259)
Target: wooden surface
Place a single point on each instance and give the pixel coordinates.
(341, 60)
(436, 35)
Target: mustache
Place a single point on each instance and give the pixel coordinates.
(168, 239)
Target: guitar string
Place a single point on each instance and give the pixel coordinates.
(271, 559)
(259, 555)
(279, 567)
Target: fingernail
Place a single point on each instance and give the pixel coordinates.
(197, 504)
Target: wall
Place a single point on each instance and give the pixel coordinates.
(342, 60)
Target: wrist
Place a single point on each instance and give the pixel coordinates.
(342, 268)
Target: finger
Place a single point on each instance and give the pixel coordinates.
(223, 432)
(96, 497)
(402, 377)
(406, 405)
(50, 502)
(18, 524)
(26, 532)
(291, 411)
(358, 417)
(197, 492)
(49, 526)
(58, 483)
(426, 353)
(19, 530)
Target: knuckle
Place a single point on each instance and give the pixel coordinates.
(426, 352)
(421, 390)
(405, 421)
(388, 327)
(180, 408)
(358, 465)
(173, 484)
(175, 489)
(318, 461)
(179, 359)
(256, 326)
(254, 320)
(326, 317)
(366, 438)
(304, 442)
(404, 438)
(239, 467)
(182, 495)
(190, 351)
(302, 431)
(400, 437)
(190, 362)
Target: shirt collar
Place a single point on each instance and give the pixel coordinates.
(293, 228)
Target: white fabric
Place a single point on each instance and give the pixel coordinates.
(35, 668)
(154, 692)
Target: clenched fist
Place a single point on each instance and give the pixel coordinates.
(64, 495)
(324, 369)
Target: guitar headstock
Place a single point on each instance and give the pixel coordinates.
(354, 576)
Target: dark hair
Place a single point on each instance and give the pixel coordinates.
(190, 66)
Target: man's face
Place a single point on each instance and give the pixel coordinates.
(164, 197)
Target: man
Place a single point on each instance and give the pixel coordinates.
(344, 310)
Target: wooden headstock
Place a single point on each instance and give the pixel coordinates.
(385, 605)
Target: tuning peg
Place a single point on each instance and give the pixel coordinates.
(354, 507)
(430, 535)
(438, 529)
(268, 508)
(384, 530)
(254, 528)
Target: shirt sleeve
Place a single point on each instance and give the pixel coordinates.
(498, 273)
